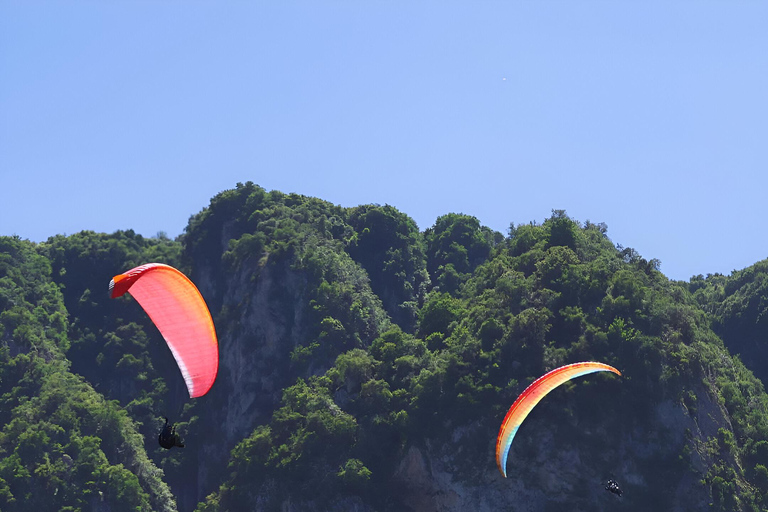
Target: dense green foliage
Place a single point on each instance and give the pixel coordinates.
(456, 245)
(62, 446)
(739, 307)
(348, 338)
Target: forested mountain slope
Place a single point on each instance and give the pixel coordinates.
(738, 304)
(367, 366)
(63, 446)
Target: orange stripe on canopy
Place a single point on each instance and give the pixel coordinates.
(532, 396)
(179, 312)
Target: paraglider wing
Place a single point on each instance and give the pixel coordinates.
(179, 312)
(531, 396)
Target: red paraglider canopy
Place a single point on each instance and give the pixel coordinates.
(177, 308)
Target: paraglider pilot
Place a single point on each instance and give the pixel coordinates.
(613, 487)
(168, 437)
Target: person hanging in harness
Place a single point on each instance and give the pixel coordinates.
(168, 437)
(614, 488)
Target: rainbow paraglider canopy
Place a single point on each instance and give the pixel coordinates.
(532, 396)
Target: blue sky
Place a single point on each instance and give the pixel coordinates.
(649, 116)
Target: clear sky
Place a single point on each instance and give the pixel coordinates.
(649, 116)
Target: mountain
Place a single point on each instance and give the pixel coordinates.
(366, 365)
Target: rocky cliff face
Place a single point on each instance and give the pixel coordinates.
(265, 314)
(267, 322)
(551, 475)
(545, 477)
